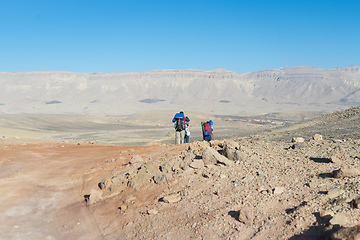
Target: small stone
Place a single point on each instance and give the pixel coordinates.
(356, 202)
(136, 159)
(248, 178)
(123, 207)
(336, 160)
(246, 215)
(339, 219)
(152, 212)
(297, 140)
(279, 190)
(105, 184)
(334, 192)
(95, 195)
(326, 214)
(173, 198)
(129, 199)
(318, 137)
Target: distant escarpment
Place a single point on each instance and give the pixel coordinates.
(217, 91)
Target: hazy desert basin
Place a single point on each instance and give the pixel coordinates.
(145, 128)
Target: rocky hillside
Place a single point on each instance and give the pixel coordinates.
(299, 181)
(216, 92)
(302, 185)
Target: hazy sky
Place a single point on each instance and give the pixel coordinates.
(141, 35)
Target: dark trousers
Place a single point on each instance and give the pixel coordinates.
(187, 139)
(207, 137)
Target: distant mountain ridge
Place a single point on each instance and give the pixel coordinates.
(216, 91)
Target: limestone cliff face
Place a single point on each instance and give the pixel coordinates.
(217, 91)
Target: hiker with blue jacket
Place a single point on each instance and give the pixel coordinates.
(179, 125)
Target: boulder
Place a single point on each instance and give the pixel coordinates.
(149, 167)
(197, 163)
(233, 154)
(162, 177)
(339, 155)
(140, 179)
(211, 157)
(208, 156)
(170, 166)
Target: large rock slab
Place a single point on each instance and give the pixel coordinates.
(211, 157)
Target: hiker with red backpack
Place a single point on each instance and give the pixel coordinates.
(179, 125)
(207, 129)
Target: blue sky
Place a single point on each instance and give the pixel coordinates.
(142, 35)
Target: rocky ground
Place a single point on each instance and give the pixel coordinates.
(299, 181)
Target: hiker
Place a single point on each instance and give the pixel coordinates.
(179, 125)
(207, 129)
(187, 131)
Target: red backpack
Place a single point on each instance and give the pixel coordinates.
(207, 128)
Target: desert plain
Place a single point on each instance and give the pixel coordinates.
(285, 173)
